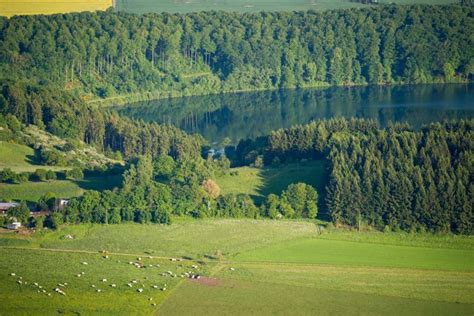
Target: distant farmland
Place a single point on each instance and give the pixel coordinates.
(28, 7)
(182, 6)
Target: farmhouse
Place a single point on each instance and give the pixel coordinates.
(4, 207)
(14, 225)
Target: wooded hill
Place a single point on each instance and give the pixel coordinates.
(108, 54)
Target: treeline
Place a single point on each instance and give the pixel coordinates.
(395, 177)
(104, 54)
(155, 190)
(9, 176)
(68, 117)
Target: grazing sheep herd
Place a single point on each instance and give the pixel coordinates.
(190, 272)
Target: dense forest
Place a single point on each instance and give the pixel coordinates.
(107, 54)
(69, 117)
(398, 177)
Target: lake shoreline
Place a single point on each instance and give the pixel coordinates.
(126, 99)
(252, 114)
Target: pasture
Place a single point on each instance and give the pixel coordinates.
(185, 6)
(32, 191)
(10, 8)
(21, 158)
(258, 183)
(248, 267)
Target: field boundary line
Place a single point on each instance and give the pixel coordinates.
(95, 252)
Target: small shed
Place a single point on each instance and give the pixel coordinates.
(14, 225)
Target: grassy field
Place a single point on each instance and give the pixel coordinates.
(196, 239)
(32, 191)
(347, 253)
(268, 289)
(258, 183)
(278, 267)
(50, 269)
(21, 158)
(28, 7)
(183, 6)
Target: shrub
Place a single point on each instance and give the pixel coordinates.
(6, 175)
(20, 177)
(46, 202)
(75, 174)
(51, 175)
(39, 222)
(52, 157)
(56, 219)
(40, 175)
(258, 162)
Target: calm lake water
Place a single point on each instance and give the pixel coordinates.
(248, 115)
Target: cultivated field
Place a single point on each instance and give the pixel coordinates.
(183, 6)
(248, 267)
(28, 7)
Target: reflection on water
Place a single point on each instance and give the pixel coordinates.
(248, 115)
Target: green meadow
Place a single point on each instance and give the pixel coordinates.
(248, 266)
(32, 191)
(269, 289)
(258, 183)
(21, 158)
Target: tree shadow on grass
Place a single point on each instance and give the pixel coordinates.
(100, 183)
(277, 179)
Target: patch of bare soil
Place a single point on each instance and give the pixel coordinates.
(206, 281)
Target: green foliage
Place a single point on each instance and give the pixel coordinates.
(40, 175)
(51, 175)
(38, 222)
(75, 174)
(47, 202)
(393, 177)
(163, 166)
(52, 157)
(200, 53)
(7, 175)
(20, 212)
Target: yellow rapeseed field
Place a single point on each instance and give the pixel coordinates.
(27, 7)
